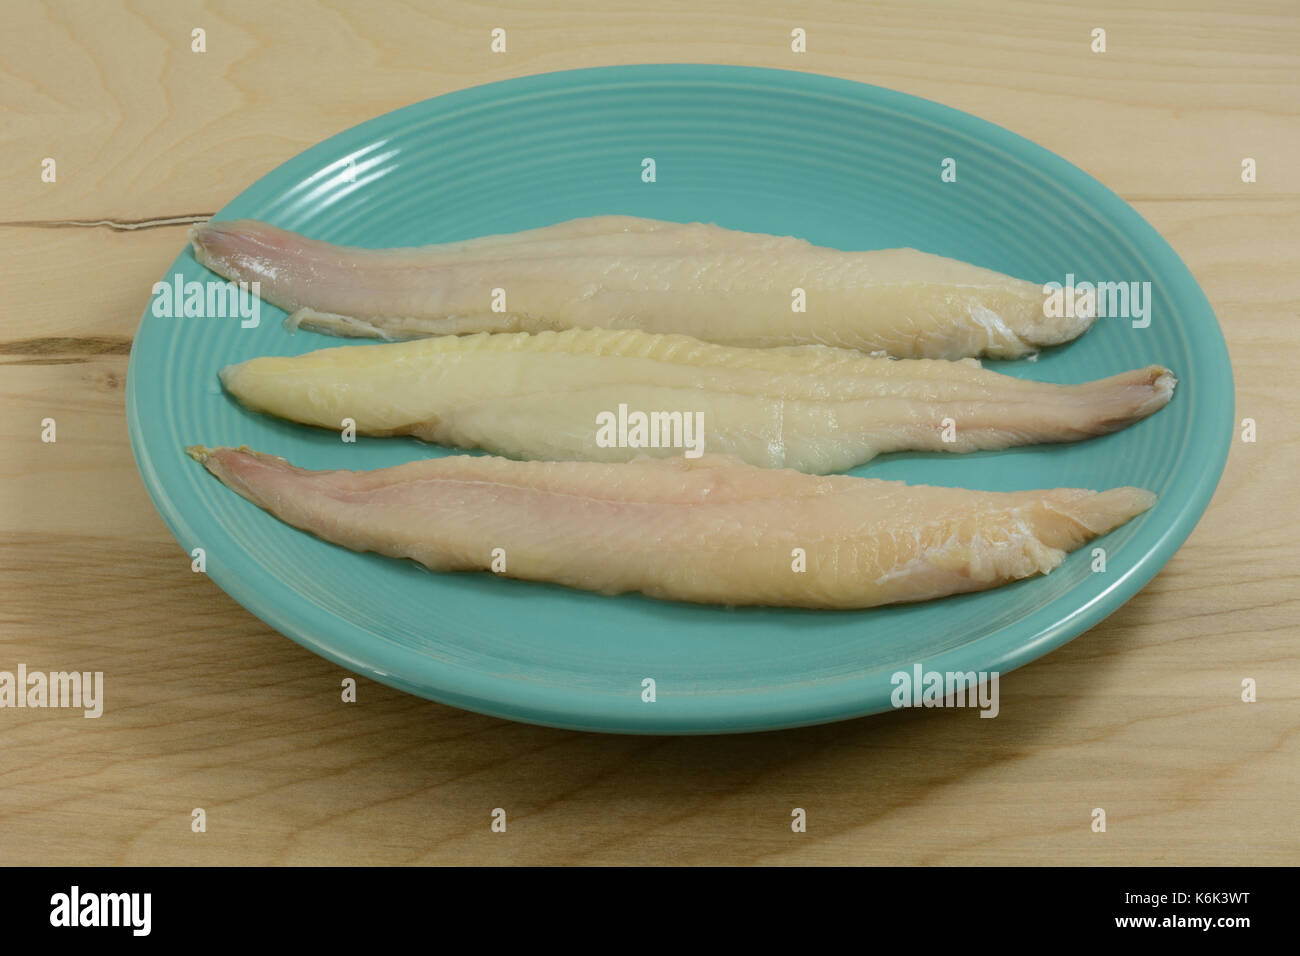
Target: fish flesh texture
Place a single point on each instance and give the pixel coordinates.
(717, 284)
(554, 395)
(711, 530)
(706, 281)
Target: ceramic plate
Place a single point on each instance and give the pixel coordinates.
(835, 162)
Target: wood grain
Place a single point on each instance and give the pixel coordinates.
(207, 707)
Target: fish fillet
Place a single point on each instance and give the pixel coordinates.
(717, 284)
(713, 530)
(812, 408)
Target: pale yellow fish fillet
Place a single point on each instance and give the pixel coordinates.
(712, 530)
(812, 408)
(717, 284)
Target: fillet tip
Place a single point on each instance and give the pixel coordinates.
(216, 242)
(227, 373)
(1040, 331)
(1100, 512)
(206, 241)
(1161, 382)
(196, 240)
(210, 456)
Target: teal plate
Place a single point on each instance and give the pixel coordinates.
(839, 163)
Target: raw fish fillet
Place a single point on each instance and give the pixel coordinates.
(812, 408)
(621, 272)
(711, 530)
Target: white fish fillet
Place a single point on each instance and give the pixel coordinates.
(812, 408)
(717, 284)
(712, 530)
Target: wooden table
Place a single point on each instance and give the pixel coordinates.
(207, 707)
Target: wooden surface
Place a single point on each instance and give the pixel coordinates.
(207, 707)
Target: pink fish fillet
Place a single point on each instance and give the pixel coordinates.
(621, 272)
(712, 530)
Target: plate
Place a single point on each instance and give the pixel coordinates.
(839, 163)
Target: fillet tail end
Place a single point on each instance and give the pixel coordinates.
(1092, 514)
